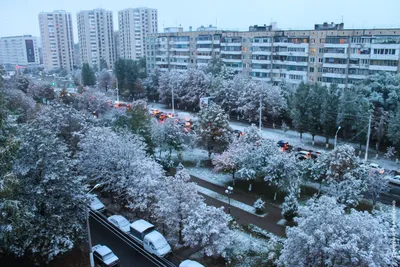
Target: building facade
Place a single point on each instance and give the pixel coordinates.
(327, 54)
(19, 50)
(134, 25)
(117, 45)
(57, 40)
(96, 38)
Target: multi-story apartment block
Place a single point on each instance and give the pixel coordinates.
(327, 54)
(96, 38)
(57, 40)
(134, 25)
(19, 50)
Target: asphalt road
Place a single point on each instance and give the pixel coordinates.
(127, 255)
(393, 194)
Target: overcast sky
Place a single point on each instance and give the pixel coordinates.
(18, 17)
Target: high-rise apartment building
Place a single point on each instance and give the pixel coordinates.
(134, 25)
(327, 54)
(96, 38)
(117, 45)
(57, 40)
(19, 50)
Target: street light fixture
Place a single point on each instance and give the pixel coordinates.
(229, 192)
(88, 229)
(334, 146)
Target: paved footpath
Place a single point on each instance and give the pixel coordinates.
(269, 222)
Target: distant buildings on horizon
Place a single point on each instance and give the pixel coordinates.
(328, 54)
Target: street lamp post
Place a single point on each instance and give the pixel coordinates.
(229, 192)
(173, 108)
(88, 230)
(334, 146)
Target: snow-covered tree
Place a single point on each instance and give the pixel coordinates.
(314, 109)
(290, 206)
(394, 128)
(214, 129)
(92, 101)
(138, 121)
(259, 205)
(167, 136)
(326, 235)
(299, 108)
(44, 217)
(41, 92)
(207, 226)
(329, 111)
(22, 83)
(343, 174)
(19, 104)
(375, 184)
(118, 161)
(177, 201)
(282, 170)
(105, 80)
(227, 161)
(336, 163)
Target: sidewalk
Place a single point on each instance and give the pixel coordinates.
(269, 222)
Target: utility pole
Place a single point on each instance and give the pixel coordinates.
(369, 133)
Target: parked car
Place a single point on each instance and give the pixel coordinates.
(190, 263)
(152, 241)
(303, 154)
(104, 257)
(377, 167)
(238, 133)
(284, 145)
(394, 179)
(120, 221)
(96, 205)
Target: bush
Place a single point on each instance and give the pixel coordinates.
(259, 206)
(290, 207)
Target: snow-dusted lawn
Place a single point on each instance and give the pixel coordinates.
(224, 199)
(206, 174)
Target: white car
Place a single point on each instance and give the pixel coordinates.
(103, 256)
(96, 205)
(190, 263)
(377, 167)
(394, 179)
(120, 221)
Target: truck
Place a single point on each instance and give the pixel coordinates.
(151, 240)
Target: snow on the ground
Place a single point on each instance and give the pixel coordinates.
(224, 198)
(194, 154)
(293, 137)
(206, 174)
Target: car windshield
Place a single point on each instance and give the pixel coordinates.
(124, 223)
(108, 256)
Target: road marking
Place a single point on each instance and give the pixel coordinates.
(234, 203)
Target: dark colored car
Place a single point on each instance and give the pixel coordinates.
(284, 145)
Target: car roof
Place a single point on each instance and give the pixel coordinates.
(118, 218)
(190, 263)
(141, 225)
(155, 237)
(103, 250)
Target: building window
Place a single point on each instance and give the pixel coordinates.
(312, 59)
(312, 50)
(311, 69)
(319, 69)
(320, 60)
(321, 50)
(321, 41)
